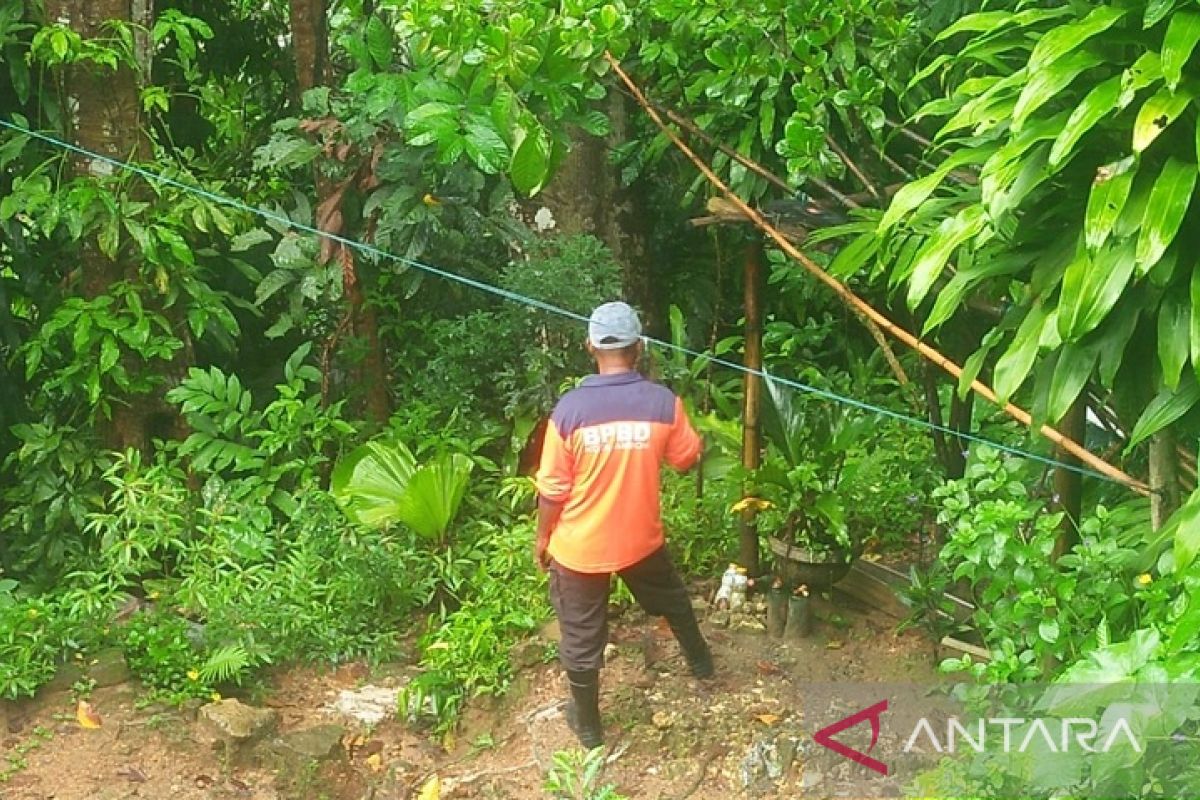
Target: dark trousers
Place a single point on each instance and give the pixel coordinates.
(581, 602)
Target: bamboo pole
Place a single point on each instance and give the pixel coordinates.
(930, 353)
(751, 403)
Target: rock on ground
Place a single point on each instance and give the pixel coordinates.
(369, 705)
(230, 720)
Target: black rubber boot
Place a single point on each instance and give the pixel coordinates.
(691, 640)
(583, 709)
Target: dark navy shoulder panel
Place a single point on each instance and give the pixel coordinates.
(600, 402)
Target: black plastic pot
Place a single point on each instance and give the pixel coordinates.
(799, 566)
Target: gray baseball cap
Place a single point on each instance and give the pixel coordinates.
(613, 326)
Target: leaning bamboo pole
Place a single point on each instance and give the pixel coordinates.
(934, 356)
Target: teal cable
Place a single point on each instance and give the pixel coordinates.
(533, 302)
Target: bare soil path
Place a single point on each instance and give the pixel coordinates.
(669, 736)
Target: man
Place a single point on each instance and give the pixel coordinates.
(598, 509)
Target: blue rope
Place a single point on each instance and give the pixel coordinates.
(539, 304)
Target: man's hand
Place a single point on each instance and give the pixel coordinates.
(540, 556)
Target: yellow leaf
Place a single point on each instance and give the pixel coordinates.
(375, 762)
(768, 719)
(756, 503)
(432, 790)
(87, 716)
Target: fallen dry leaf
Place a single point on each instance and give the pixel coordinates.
(768, 719)
(767, 668)
(132, 774)
(87, 716)
(375, 762)
(833, 644)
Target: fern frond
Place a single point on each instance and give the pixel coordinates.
(225, 664)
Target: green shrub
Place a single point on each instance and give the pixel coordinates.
(465, 652)
(35, 634)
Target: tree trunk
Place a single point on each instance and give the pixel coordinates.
(1068, 484)
(310, 42)
(586, 197)
(102, 114)
(1164, 477)
(751, 404)
(310, 48)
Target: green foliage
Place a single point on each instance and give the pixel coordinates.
(56, 482)
(34, 635)
(1029, 609)
(576, 775)
(166, 654)
(84, 348)
(267, 454)
(509, 357)
(1072, 120)
(811, 441)
(466, 652)
(785, 75)
(380, 483)
(310, 590)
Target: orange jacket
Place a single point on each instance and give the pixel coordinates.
(605, 445)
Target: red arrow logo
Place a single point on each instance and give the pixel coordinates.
(824, 737)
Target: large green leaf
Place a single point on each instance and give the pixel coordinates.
(1098, 103)
(1169, 406)
(485, 147)
(783, 421)
(1045, 83)
(1115, 338)
(1174, 338)
(1168, 203)
(1146, 71)
(1066, 38)
(1157, 113)
(1109, 192)
(1156, 10)
(965, 280)
(530, 168)
(1184, 525)
(851, 257)
(1075, 365)
(913, 194)
(989, 21)
(1091, 286)
(932, 259)
(370, 482)
(1194, 330)
(989, 108)
(1183, 33)
(1013, 367)
(433, 496)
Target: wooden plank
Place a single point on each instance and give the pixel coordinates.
(873, 590)
(899, 580)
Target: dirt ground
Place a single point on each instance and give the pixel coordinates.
(668, 735)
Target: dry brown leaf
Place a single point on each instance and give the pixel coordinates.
(768, 719)
(375, 762)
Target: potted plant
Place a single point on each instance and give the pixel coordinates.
(810, 442)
